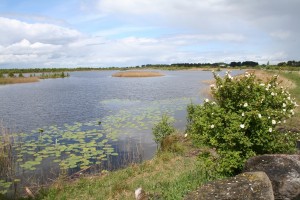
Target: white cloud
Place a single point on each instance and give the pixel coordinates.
(14, 30)
(134, 32)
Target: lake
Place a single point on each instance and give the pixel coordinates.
(93, 119)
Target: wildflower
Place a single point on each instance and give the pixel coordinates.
(292, 112)
(230, 77)
(284, 121)
(273, 94)
(273, 122)
(284, 110)
(259, 115)
(206, 100)
(212, 86)
(243, 114)
(248, 86)
(288, 98)
(262, 84)
(242, 125)
(245, 104)
(185, 135)
(284, 105)
(267, 88)
(212, 126)
(270, 130)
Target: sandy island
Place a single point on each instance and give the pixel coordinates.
(132, 74)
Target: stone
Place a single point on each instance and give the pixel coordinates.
(246, 186)
(283, 171)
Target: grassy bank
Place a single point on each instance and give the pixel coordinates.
(137, 74)
(169, 175)
(293, 124)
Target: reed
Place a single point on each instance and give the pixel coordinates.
(13, 80)
(137, 74)
(6, 160)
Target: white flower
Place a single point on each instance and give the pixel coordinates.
(206, 100)
(292, 112)
(267, 88)
(242, 125)
(284, 110)
(212, 85)
(259, 115)
(230, 77)
(212, 126)
(248, 86)
(245, 104)
(284, 105)
(289, 98)
(185, 135)
(243, 114)
(270, 130)
(284, 121)
(273, 122)
(262, 84)
(273, 94)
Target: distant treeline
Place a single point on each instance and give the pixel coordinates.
(57, 70)
(174, 66)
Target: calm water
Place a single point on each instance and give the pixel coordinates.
(126, 107)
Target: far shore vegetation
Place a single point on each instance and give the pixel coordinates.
(137, 74)
(12, 78)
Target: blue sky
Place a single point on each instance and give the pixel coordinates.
(103, 33)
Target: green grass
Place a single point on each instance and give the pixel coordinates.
(169, 175)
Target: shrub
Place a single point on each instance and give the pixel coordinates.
(242, 120)
(162, 129)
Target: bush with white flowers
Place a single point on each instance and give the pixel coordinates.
(241, 121)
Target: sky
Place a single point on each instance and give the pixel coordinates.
(105, 33)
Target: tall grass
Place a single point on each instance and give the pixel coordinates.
(9, 80)
(6, 160)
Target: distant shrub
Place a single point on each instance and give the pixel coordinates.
(162, 129)
(242, 120)
(11, 74)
